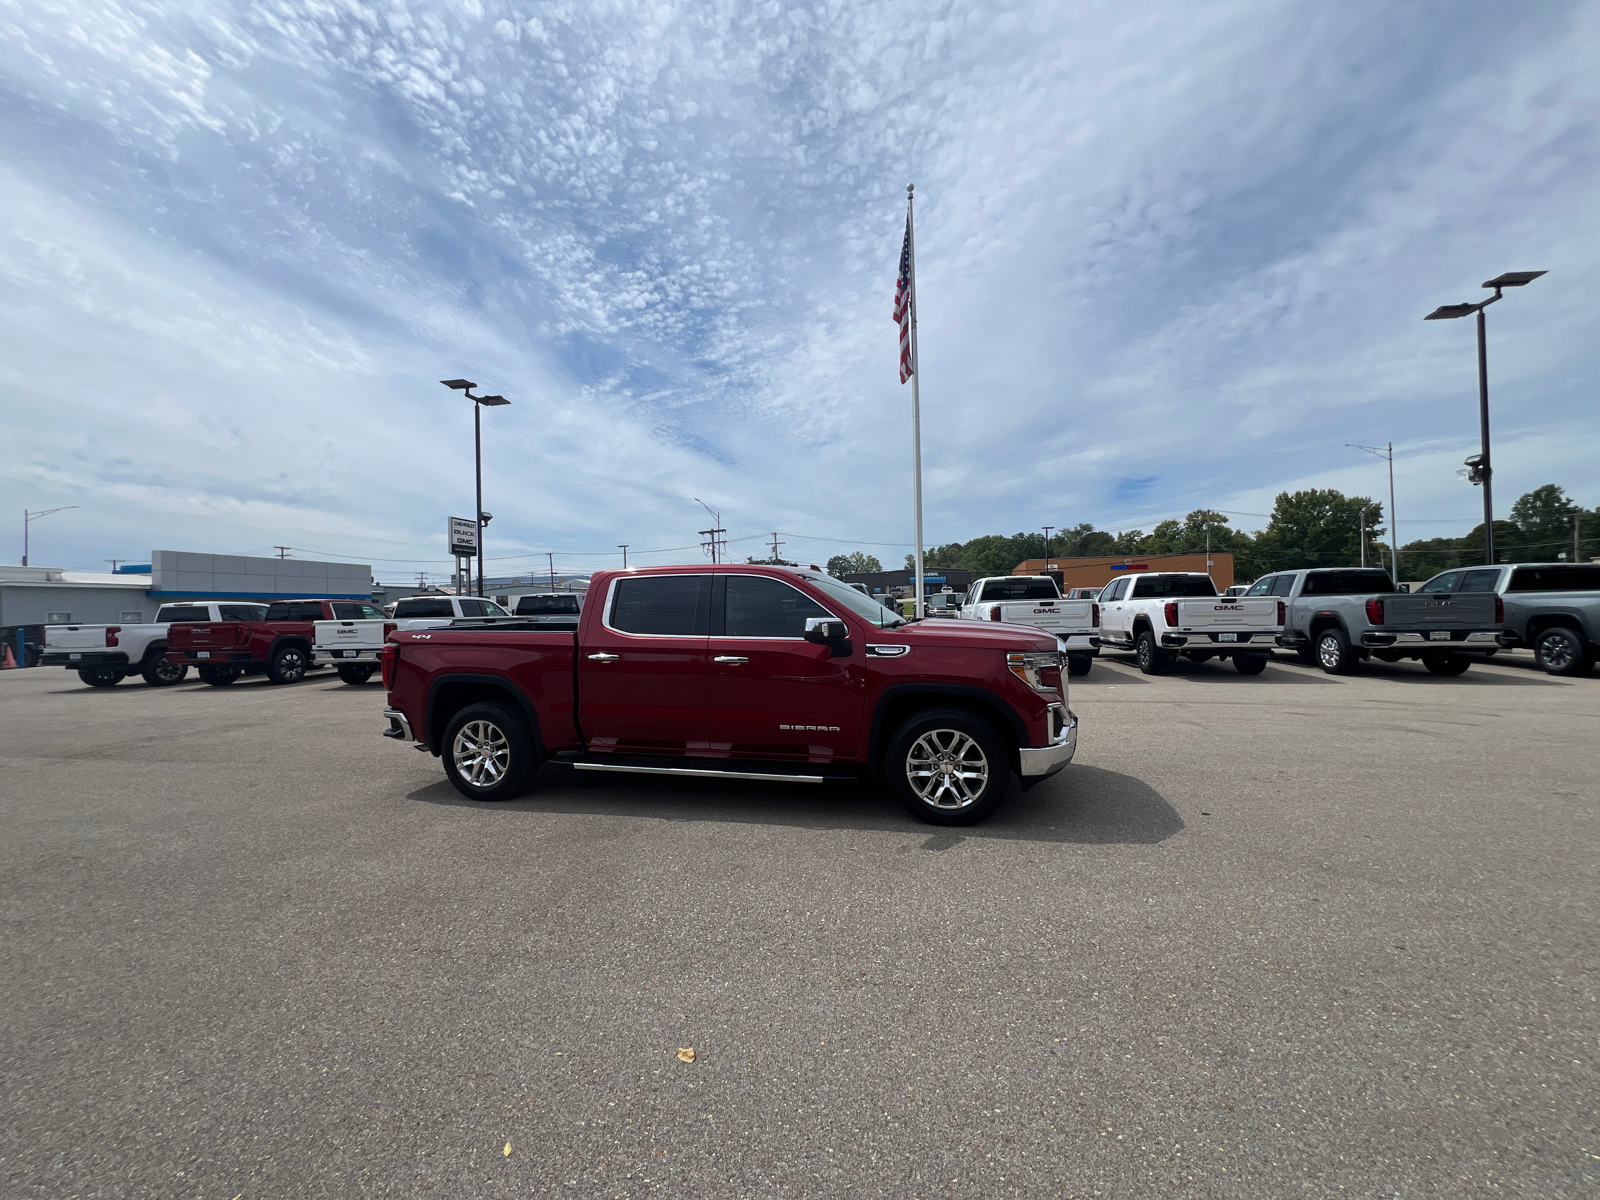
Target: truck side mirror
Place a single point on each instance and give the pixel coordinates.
(826, 631)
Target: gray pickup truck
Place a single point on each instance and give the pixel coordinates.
(1336, 616)
(1552, 607)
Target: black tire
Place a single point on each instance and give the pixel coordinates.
(101, 676)
(217, 676)
(1446, 664)
(1152, 658)
(1334, 653)
(1079, 664)
(289, 665)
(1560, 651)
(161, 671)
(489, 743)
(355, 674)
(1307, 655)
(935, 738)
(1249, 664)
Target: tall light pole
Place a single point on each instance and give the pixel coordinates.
(623, 546)
(28, 518)
(1387, 452)
(1047, 529)
(478, 404)
(715, 530)
(1478, 467)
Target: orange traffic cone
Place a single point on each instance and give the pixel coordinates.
(10, 663)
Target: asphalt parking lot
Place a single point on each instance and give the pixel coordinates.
(1285, 935)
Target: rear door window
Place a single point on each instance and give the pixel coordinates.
(242, 612)
(1282, 585)
(1479, 581)
(1347, 583)
(662, 605)
(758, 607)
(472, 608)
(1261, 587)
(354, 612)
(1441, 583)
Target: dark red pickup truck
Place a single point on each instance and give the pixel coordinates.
(280, 644)
(747, 672)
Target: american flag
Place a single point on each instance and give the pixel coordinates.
(904, 304)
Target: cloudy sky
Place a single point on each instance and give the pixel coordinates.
(1170, 256)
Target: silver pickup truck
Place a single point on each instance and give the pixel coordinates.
(1552, 607)
(1336, 616)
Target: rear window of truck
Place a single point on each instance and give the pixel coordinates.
(1347, 583)
(1020, 589)
(182, 612)
(355, 612)
(530, 606)
(424, 608)
(1173, 586)
(242, 612)
(1577, 578)
(665, 605)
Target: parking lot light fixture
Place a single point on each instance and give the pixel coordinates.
(28, 518)
(478, 404)
(1478, 465)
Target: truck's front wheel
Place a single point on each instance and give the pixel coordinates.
(218, 676)
(100, 676)
(948, 767)
(161, 671)
(1079, 664)
(488, 752)
(355, 674)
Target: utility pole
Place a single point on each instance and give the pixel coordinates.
(623, 546)
(550, 554)
(1363, 538)
(422, 580)
(1576, 513)
(712, 533)
(283, 552)
(1208, 547)
(1047, 529)
(116, 562)
(776, 543)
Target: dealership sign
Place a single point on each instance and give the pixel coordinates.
(463, 537)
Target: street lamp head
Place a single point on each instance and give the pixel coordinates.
(485, 517)
(460, 385)
(1514, 279)
(491, 401)
(1446, 312)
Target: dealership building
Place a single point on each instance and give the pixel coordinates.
(33, 597)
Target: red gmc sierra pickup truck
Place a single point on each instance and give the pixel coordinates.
(749, 672)
(280, 644)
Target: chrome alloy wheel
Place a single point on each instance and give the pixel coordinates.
(482, 753)
(1328, 651)
(947, 769)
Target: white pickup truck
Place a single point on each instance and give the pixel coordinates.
(1161, 615)
(105, 655)
(1036, 600)
(355, 647)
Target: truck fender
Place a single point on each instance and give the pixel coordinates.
(494, 683)
(1009, 726)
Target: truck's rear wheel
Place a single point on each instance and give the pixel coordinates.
(161, 671)
(1249, 664)
(488, 752)
(1152, 658)
(1446, 664)
(1334, 653)
(100, 676)
(948, 767)
(1560, 651)
(355, 674)
(288, 665)
(217, 676)
(1079, 664)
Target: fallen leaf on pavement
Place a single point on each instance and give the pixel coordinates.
(686, 1053)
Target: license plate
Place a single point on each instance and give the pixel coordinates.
(1439, 635)
(1227, 637)
(202, 654)
(349, 654)
(74, 656)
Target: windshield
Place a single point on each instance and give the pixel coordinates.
(865, 607)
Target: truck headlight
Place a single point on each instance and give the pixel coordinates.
(1039, 669)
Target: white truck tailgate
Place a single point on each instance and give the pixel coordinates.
(1224, 615)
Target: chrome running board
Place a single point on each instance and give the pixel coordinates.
(697, 772)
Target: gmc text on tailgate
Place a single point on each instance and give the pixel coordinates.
(746, 672)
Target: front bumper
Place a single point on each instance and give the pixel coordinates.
(73, 659)
(1037, 762)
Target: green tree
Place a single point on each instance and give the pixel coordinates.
(1319, 527)
(1544, 514)
(854, 563)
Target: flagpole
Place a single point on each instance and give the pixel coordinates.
(916, 405)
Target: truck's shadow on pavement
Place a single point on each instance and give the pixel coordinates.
(1082, 804)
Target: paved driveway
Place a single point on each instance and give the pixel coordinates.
(1282, 936)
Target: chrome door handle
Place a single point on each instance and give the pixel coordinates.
(604, 657)
(732, 659)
